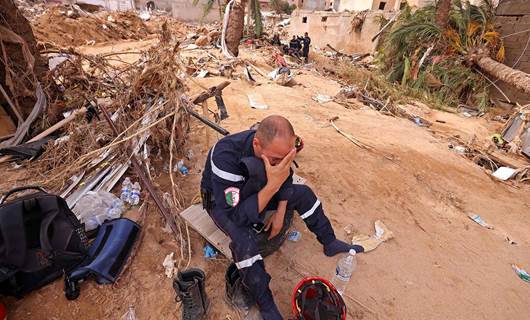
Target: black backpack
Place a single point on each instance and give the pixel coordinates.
(40, 239)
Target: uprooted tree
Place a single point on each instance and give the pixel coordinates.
(21, 65)
(442, 52)
(236, 23)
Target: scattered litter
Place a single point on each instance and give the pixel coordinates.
(504, 173)
(209, 251)
(256, 101)
(179, 166)
(56, 60)
(322, 98)
(369, 243)
(189, 154)
(203, 73)
(284, 22)
(418, 122)
(459, 149)
(510, 240)
(130, 314)
(294, 236)
(192, 46)
(479, 220)
(348, 229)
(521, 272)
(248, 75)
(281, 76)
(94, 208)
(169, 265)
(145, 16)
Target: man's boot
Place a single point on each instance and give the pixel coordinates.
(190, 288)
(238, 296)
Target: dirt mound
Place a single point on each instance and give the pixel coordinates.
(63, 27)
(174, 26)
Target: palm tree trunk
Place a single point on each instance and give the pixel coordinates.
(516, 78)
(236, 23)
(442, 13)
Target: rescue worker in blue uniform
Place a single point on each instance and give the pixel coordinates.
(234, 212)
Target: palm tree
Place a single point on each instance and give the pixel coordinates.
(481, 56)
(442, 58)
(516, 78)
(236, 21)
(443, 7)
(236, 24)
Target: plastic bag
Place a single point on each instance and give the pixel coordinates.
(94, 208)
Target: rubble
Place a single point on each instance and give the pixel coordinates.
(64, 26)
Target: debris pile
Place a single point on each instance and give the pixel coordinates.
(65, 26)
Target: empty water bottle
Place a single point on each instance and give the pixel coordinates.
(135, 194)
(126, 190)
(344, 270)
(181, 167)
(115, 209)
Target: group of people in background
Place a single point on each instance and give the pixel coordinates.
(298, 46)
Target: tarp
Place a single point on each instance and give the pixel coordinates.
(224, 48)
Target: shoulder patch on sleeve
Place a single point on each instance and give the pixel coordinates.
(232, 196)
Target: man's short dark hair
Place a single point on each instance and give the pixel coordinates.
(272, 127)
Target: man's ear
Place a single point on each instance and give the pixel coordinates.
(256, 143)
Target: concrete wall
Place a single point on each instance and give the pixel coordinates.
(313, 5)
(115, 5)
(514, 16)
(335, 29)
(360, 5)
(183, 9)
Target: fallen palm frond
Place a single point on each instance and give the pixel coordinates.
(420, 55)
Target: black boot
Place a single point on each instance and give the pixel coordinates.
(236, 293)
(190, 288)
(238, 296)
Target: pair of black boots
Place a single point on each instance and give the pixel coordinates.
(190, 288)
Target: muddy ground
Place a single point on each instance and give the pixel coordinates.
(440, 265)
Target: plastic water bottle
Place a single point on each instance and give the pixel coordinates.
(135, 194)
(115, 210)
(344, 270)
(126, 190)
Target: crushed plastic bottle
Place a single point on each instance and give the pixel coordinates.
(181, 167)
(344, 271)
(94, 208)
(126, 189)
(134, 200)
(294, 236)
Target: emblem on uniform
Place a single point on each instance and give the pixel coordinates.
(232, 196)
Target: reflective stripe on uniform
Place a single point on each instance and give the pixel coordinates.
(248, 262)
(311, 211)
(223, 174)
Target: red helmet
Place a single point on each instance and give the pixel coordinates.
(316, 298)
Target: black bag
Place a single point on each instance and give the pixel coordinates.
(40, 239)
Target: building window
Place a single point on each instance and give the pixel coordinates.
(324, 19)
(304, 19)
(382, 5)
